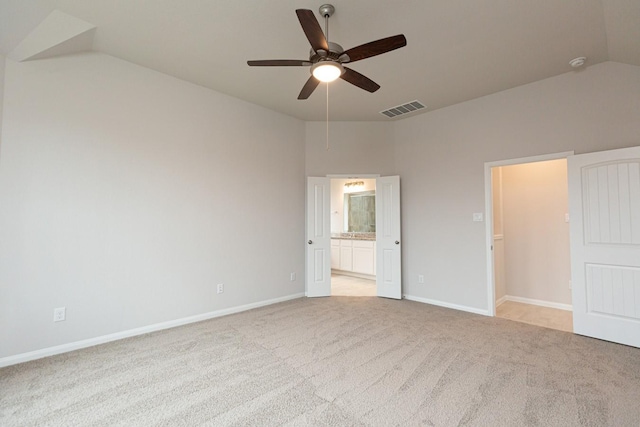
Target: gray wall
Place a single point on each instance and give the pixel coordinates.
(354, 148)
(440, 157)
(2, 65)
(127, 195)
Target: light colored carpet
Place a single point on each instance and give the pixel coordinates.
(356, 361)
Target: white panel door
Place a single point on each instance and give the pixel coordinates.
(318, 237)
(604, 205)
(388, 256)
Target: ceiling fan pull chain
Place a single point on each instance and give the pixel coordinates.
(327, 116)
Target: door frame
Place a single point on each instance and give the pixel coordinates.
(488, 206)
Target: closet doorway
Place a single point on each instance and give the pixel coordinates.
(530, 258)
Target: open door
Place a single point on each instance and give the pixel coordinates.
(388, 254)
(318, 237)
(604, 205)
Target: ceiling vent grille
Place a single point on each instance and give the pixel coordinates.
(403, 109)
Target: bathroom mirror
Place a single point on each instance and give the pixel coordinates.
(360, 212)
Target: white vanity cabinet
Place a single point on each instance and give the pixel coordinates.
(364, 257)
(346, 255)
(335, 254)
(354, 256)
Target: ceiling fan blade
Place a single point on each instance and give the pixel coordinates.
(312, 29)
(278, 62)
(357, 79)
(309, 87)
(377, 47)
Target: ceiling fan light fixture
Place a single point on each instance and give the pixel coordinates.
(326, 57)
(327, 71)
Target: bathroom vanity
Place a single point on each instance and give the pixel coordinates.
(354, 254)
(353, 240)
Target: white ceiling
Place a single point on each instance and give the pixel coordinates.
(456, 50)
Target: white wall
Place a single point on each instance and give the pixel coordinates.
(537, 264)
(440, 157)
(337, 200)
(127, 195)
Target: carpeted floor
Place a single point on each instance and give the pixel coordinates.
(333, 362)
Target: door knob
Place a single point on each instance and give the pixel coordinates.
(397, 242)
(310, 241)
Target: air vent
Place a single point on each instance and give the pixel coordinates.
(400, 110)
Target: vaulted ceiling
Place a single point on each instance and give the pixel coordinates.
(456, 50)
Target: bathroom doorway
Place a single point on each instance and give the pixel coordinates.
(353, 251)
(378, 257)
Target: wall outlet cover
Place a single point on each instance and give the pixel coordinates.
(59, 314)
(220, 288)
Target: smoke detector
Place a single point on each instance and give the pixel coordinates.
(578, 62)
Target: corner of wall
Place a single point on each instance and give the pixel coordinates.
(2, 65)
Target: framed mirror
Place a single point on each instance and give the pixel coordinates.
(360, 212)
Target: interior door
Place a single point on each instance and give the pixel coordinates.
(604, 204)
(318, 237)
(388, 253)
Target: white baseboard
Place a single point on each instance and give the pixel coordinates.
(501, 301)
(447, 305)
(541, 303)
(64, 348)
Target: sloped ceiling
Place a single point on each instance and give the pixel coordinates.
(456, 51)
(58, 34)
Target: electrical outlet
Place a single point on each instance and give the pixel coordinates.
(420, 278)
(59, 314)
(220, 288)
(477, 217)
(293, 277)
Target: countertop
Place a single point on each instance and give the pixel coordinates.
(354, 236)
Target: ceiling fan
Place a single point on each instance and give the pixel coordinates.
(326, 58)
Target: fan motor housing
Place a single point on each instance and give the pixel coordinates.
(335, 53)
